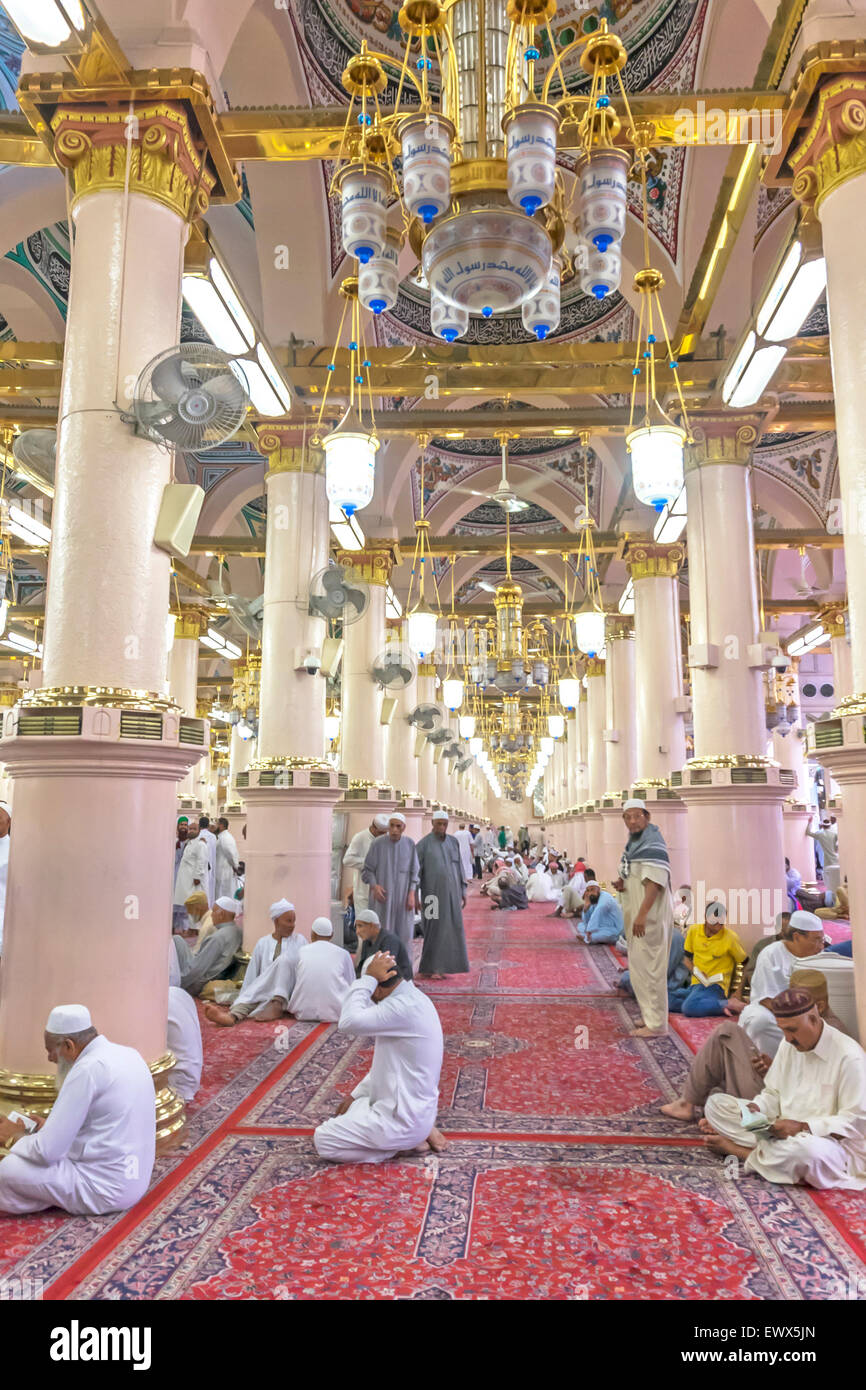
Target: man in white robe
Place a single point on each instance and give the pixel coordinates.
(270, 975)
(192, 871)
(772, 975)
(5, 825)
(810, 1118)
(94, 1152)
(464, 839)
(645, 887)
(356, 854)
(323, 975)
(227, 860)
(827, 837)
(206, 834)
(392, 872)
(214, 959)
(183, 1036)
(393, 1109)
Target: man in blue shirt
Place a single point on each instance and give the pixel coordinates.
(602, 922)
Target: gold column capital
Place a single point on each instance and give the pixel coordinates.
(426, 668)
(832, 148)
(594, 666)
(287, 451)
(833, 619)
(168, 162)
(620, 627)
(189, 625)
(374, 563)
(646, 560)
(722, 438)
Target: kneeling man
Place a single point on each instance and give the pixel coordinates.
(808, 1124)
(393, 1110)
(94, 1152)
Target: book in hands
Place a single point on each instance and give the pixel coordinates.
(707, 980)
(752, 1119)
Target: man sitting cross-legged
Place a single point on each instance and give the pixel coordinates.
(393, 1110)
(602, 922)
(270, 976)
(808, 1124)
(729, 1061)
(324, 974)
(713, 951)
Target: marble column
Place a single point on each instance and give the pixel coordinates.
(840, 648)
(100, 743)
(828, 161)
(619, 732)
(596, 713)
(732, 792)
(659, 695)
(289, 790)
(424, 749)
(183, 688)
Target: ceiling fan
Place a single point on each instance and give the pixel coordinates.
(505, 496)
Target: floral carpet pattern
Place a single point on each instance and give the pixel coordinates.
(561, 1180)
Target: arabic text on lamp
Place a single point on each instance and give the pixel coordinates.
(489, 260)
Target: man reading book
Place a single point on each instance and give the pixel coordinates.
(713, 951)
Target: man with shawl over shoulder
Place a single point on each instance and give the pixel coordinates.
(645, 886)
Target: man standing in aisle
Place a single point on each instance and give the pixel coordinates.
(645, 885)
(209, 838)
(191, 873)
(464, 842)
(443, 881)
(355, 855)
(227, 860)
(392, 873)
(828, 838)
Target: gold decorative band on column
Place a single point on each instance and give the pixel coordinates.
(653, 561)
(287, 451)
(170, 1108)
(852, 704)
(167, 160)
(620, 628)
(426, 668)
(10, 694)
(107, 696)
(374, 563)
(833, 148)
(722, 439)
(732, 760)
(594, 666)
(833, 620)
(188, 627)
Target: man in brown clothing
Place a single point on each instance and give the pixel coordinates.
(730, 1062)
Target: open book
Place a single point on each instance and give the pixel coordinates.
(718, 979)
(752, 1119)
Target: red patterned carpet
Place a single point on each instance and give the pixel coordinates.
(561, 1179)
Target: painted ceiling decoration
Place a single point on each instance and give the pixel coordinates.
(808, 464)
(446, 466)
(487, 517)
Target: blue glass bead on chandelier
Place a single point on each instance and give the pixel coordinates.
(364, 119)
(532, 54)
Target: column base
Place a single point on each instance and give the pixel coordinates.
(736, 842)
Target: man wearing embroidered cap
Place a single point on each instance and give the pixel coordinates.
(323, 975)
(270, 975)
(94, 1153)
(391, 871)
(645, 886)
(808, 1124)
(355, 855)
(215, 957)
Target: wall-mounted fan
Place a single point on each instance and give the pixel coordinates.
(464, 765)
(246, 612)
(394, 668)
(192, 397)
(426, 718)
(35, 455)
(336, 593)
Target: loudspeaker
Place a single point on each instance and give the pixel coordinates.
(178, 517)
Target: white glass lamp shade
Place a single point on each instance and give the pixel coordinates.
(475, 746)
(363, 207)
(540, 314)
(530, 146)
(421, 629)
(466, 726)
(556, 725)
(487, 260)
(657, 463)
(569, 692)
(452, 692)
(600, 271)
(332, 726)
(603, 195)
(350, 468)
(379, 279)
(448, 321)
(426, 145)
(43, 22)
(589, 631)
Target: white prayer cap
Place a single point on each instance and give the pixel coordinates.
(716, 912)
(228, 904)
(634, 804)
(806, 921)
(277, 909)
(368, 915)
(439, 815)
(322, 927)
(68, 1019)
(380, 822)
(397, 815)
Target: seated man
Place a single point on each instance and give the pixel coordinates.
(602, 923)
(793, 885)
(183, 1036)
(782, 933)
(729, 1061)
(323, 975)
(772, 976)
(94, 1152)
(506, 891)
(198, 917)
(678, 971)
(808, 1123)
(713, 951)
(215, 959)
(393, 1110)
(572, 894)
(270, 976)
(374, 938)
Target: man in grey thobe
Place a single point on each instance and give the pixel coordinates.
(217, 953)
(391, 870)
(443, 897)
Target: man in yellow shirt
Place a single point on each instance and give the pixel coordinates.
(713, 951)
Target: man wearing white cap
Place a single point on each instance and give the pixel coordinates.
(443, 881)
(215, 957)
(192, 872)
(374, 939)
(392, 873)
(773, 975)
(270, 976)
(354, 858)
(323, 975)
(94, 1153)
(645, 887)
(5, 825)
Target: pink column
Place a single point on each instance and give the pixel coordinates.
(100, 743)
(732, 792)
(289, 789)
(597, 769)
(183, 689)
(840, 647)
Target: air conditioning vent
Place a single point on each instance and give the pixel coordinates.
(828, 733)
(242, 779)
(676, 779)
(191, 731)
(62, 723)
(701, 777)
(320, 779)
(743, 776)
(140, 724)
